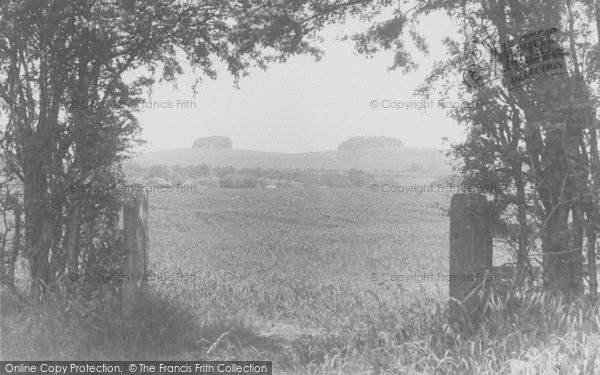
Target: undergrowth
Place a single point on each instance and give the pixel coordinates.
(526, 332)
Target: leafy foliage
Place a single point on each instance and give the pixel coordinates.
(71, 110)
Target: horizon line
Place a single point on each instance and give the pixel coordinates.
(295, 153)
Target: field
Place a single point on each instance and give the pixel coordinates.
(340, 281)
(287, 255)
(319, 281)
(298, 264)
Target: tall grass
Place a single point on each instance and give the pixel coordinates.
(61, 328)
(525, 332)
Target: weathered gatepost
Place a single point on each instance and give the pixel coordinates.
(470, 256)
(135, 230)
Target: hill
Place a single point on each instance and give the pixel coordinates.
(396, 159)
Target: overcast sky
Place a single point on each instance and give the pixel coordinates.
(303, 105)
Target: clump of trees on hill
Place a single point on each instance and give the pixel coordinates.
(212, 142)
(361, 143)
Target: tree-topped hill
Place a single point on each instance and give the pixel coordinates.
(212, 142)
(361, 143)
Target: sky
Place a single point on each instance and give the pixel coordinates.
(303, 105)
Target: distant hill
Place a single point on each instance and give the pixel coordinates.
(364, 143)
(212, 142)
(397, 159)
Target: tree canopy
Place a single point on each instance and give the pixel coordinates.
(68, 109)
(538, 141)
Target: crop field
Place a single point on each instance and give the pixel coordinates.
(299, 263)
(318, 281)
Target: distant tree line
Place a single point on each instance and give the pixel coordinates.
(230, 177)
(362, 143)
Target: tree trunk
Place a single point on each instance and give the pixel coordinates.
(522, 259)
(37, 227)
(73, 245)
(562, 268)
(591, 260)
(39, 263)
(16, 248)
(593, 216)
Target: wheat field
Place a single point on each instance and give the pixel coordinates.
(319, 281)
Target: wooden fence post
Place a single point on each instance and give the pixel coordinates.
(470, 254)
(135, 228)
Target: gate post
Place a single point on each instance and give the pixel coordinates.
(135, 230)
(470, 255)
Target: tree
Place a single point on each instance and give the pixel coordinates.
(357, 178)
(201, 170)
(415, 168)
(71, 112)
(537, 142)
(540, 143)
(158, 170)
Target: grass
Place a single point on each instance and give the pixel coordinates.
(287, 276)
